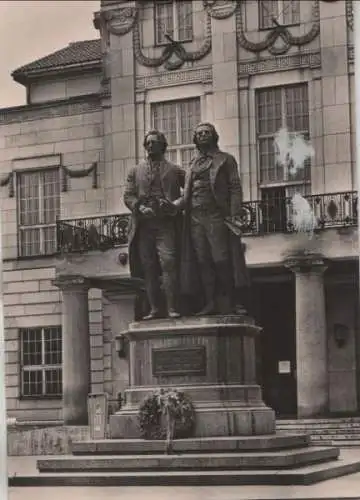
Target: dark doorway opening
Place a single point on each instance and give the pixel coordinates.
(274, 309)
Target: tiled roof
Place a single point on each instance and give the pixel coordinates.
(74, 53)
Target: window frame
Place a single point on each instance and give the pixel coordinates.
(42, 226)
(179, 147)
(43, 367)
(286, 181)
(175, 22)
(280, 4)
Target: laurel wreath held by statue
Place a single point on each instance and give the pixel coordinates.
(167, 414)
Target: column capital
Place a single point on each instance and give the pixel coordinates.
(306, 263)
(71, 282)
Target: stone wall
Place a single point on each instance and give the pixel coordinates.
(64, 88)
(34, 441)
(31, 300)
(70, 134)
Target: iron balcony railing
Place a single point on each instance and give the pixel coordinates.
(277, 215)
(259, 217)
(92, 233)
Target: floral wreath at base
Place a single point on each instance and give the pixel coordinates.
(163, 408)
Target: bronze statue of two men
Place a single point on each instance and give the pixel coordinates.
(185, 230)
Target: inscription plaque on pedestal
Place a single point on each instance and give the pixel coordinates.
(179, 361)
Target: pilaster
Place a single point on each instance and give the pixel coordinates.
(116, 21)
(225, 83)
(335, 97)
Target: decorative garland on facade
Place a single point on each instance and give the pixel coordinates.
(9, 181)
(76, 174)
(220, 9)
(171, 49)
(167, 414)
(277, 32)
(121, 21)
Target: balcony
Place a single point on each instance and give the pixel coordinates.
(331, 210)
(92, 233)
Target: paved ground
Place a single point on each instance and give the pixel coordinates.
(347, 487)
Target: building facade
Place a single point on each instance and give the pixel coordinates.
(261, 71)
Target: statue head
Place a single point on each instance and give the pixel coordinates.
(155, 143)
(205, 135)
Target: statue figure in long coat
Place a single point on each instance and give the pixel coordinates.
(212, 254)
(151, 188)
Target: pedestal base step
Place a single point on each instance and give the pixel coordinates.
(210, 461)
(298, 476)
(271, 442)
(211, 421)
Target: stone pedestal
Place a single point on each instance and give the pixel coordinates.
(212, 359)
(76, 349)
(311, 341)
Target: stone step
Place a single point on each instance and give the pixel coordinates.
(193, 445)
(336, 437)
(297, 476)
(351, 435)
(318, 420)
(339, 443)
(306, 430)
(345, 443)
(216, 461)
(328, 432)
(331, 425)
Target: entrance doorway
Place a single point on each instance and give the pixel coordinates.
(276, 349)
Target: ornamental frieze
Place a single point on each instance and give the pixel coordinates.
(121, 21)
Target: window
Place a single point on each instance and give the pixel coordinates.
(281, 108)
(38, 195)
(177, 120)
(173, 18)
(285, 12)
(41, 362)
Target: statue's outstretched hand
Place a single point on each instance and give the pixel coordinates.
(167, 206)
(146, 211)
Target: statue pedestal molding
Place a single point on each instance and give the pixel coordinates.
(212, 360)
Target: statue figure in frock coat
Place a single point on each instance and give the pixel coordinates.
(154, 242)
(213, 263)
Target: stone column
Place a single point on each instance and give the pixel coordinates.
(311, 342)
(75, 348)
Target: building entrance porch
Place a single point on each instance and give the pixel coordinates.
(303, 366)
(308, 352)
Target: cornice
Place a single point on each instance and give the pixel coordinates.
(27, 77)
(50, 109)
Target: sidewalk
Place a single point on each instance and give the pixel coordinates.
(347, 487)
